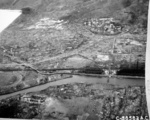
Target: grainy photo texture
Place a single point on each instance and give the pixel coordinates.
(73, 59)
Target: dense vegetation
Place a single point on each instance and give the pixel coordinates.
(137, 12)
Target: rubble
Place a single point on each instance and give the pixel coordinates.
(33, 99)
(104, 26)
(129, 46)
(82, 101)
(46, 23)
(102, 58)
(54, 109)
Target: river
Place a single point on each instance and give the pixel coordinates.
(81, 79)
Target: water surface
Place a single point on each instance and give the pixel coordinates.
(82, 79)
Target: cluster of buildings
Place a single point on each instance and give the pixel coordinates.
(104, 25)
(33, 99)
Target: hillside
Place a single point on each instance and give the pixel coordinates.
(128, 11)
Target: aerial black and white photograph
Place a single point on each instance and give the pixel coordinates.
(73, 59)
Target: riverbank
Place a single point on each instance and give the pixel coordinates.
(34, 86)
(80, 79)
(75, 100)
(111, 80)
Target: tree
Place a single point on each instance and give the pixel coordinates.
(27, 10)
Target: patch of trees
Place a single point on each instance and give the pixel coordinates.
(10, 109)
(27, 10)
(91, 70)
(126, 3)
(137, 12)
